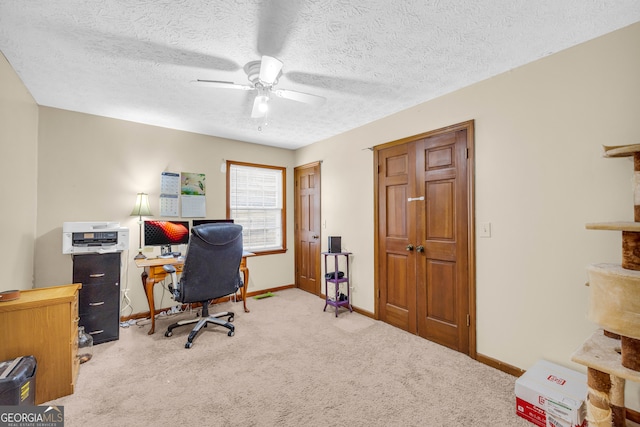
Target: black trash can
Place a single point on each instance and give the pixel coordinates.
(18, 381)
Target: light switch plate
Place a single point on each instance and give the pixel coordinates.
(485, 229)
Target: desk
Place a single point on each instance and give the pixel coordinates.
(154, 272)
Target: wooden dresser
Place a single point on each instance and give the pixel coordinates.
(43, 322)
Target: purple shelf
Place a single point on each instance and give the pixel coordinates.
(336, 282)
(341, 280)
(339, 303)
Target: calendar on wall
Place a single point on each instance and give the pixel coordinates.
(192, 190)
(184, 190)
(193, 206)
(169, 205)
(170, 183)
(169, 194)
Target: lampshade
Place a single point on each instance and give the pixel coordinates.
(141, 207)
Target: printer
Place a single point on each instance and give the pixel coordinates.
(94, 237)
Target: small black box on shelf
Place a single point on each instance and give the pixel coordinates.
(335, 244)
(332, 275)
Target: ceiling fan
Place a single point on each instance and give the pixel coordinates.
(263, 76)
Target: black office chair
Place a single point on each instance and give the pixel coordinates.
(211, 270)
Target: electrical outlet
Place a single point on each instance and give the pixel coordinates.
(485, 229)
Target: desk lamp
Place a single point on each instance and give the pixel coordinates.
(141, 208)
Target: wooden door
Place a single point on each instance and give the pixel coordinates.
(396, 227)
(307, 227)
(424, 244)
(442, 268)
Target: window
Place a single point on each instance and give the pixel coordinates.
(256, 200)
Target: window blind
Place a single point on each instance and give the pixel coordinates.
(255, 202)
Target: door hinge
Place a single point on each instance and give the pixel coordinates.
(468, 320)
(467, 153)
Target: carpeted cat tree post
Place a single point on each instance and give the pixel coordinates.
(612, 355)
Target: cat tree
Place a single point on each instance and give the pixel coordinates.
(612, 354)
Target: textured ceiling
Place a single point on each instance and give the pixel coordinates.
(134, 59)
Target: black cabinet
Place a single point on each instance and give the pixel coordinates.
(99, 304)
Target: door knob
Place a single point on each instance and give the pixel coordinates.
(420, 248)
(315, 236)
(409, 247)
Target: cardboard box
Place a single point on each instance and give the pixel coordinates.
(549, 395)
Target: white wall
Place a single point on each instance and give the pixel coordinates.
(92, 167)
(18, 178)
(540, 177)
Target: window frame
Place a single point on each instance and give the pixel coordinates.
(283, 224)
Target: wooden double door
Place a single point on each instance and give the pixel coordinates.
(425, 237)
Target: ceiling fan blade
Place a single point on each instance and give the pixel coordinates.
(335, 83)
(221, 85)
(307, 98)
(270, 68)
(276, 19)
(132, 48)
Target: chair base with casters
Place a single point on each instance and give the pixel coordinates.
(202, 322)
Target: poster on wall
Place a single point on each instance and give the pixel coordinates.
(193, 191)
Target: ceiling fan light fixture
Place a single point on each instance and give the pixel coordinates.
(263, 75)
(260, 105)
(263, 103)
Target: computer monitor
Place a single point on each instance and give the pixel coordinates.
(210, 221)
(166, 233)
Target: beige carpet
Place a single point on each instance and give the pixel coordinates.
(289, 364)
